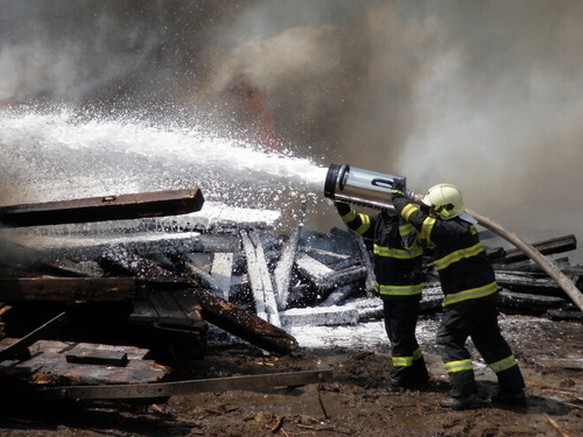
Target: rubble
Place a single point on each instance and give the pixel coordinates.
(154, 282)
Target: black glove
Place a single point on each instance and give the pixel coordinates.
(343, 208)
(398, 189)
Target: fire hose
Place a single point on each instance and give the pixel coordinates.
(371, 189)
(552, 270)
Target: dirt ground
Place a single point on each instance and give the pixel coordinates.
(354, 402)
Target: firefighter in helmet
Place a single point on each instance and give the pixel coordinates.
(470, 295)
(399, 282)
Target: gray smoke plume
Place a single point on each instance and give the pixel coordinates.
(485, 95)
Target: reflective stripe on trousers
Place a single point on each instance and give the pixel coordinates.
(407, 361)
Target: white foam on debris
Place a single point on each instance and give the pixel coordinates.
(361, 335)
(220, 214)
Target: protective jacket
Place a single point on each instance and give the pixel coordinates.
(396, 251)
(470, 290)
(464, 270)
(399, 282)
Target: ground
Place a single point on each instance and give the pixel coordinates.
(354, 402)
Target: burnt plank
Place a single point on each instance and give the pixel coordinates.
(546, 247)
(524, 303)
(69, 289)
(529, 282)
(190, 306)
(260, 277)
(93, 209)
(48, 366)
(19, 257)
(19, 347)
(175, 308)
(143, 312)
(284, 267)
(176, 388)
(167, 308)
(102, 357)
(244, 324)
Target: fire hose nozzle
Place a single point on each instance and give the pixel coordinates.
(354, 185)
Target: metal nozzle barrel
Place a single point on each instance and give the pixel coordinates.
(353, 185)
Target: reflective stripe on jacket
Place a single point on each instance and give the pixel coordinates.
(396, 252)
(464, 270)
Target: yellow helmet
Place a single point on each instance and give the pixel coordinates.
(445, 200)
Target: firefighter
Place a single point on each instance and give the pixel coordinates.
(470, 295)
(398, 281)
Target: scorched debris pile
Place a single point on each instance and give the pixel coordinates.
(115, 290)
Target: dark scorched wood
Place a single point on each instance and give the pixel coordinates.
(93, 209)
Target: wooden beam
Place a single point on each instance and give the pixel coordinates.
(261, 283)
(94, 209)
(546, 247)
(69, 289)
(21, 346)
(178, 388)
(284, 267)
(244, 324)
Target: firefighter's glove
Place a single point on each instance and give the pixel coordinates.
(343, 208)
(398, 189)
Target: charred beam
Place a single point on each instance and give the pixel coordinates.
(69, 289)
(174, 388)
(261, 283)
(244, 324)
(20, 347)
(546, 247)
(94, 209)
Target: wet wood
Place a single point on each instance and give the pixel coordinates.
(102, 357)
(525, 303)
(177, 388)
(69, 289)
(113, 207)
(284, 268)
(48, 365)
(260, 277)
(19, 348)
(244, 324)
(547, 247)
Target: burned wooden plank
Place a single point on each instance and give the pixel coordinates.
(244, 324)
(338, 295)
(525, 303)
(48, 366)
(366, 261)
(169, 308)
(177, 388)
(93, 209)
(528, 282)
(325, 278)
(320, 316)
(284, 267)
(546, 247)
(20, 347)
(218, 279)
(221, 272)
(101, 357)
(19, 257)
(81, 248)
(261, 283)
(573, 315)
(69, 289)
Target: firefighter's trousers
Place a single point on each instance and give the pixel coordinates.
(478, 319)
(400, 321)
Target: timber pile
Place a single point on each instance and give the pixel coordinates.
(148, 279)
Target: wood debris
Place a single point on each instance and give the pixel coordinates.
(157, 281)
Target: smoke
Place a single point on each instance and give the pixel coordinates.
(481, 94)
